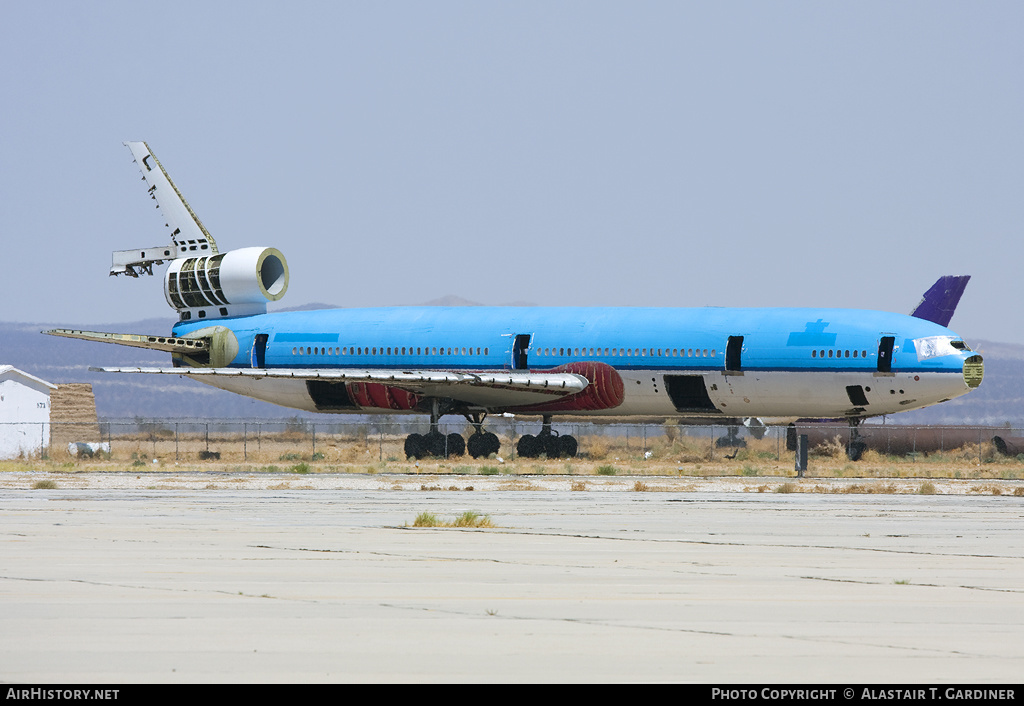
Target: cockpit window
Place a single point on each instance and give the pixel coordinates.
(936, 346)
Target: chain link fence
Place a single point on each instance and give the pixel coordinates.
(384, 439)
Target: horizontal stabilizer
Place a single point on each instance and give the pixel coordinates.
(167, 344)
(939, 302)
(188, 237)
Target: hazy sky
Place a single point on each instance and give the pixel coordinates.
(562, 153)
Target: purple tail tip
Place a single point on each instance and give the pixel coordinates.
(940, 300)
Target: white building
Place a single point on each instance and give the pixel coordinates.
(24, 413)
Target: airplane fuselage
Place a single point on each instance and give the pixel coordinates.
(695, 362)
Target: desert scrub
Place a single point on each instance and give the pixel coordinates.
(831, 448)
(466, 519)
(425, 519)
(472, 519)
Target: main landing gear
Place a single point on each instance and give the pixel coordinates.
(439, 445)
(481, 443)
(484, 443)
(547, 442)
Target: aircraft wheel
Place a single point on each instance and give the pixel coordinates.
(476, 446)
(528, 446)
(415, 446)
(483, 444)
(492, 443)
(855, 450)
(568, 446)
(456, 445)
(434, 442)
(552, 445)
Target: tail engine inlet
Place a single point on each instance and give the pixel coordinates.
(235, 283)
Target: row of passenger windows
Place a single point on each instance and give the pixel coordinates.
(838, 354)
(547, 352)
(629, 352)
(540, 352)
(359, 350)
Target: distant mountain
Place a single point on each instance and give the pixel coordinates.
(451, 300)
(315, 306)
(998, 401)
(447, 300)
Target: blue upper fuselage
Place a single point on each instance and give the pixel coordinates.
(483, 338)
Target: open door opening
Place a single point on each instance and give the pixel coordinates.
(885, 346)
(259, 351)
(519, 352)
(733, 353)
(689, 393)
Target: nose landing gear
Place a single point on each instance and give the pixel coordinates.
(856, 448)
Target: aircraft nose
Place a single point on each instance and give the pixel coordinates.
(974, 371)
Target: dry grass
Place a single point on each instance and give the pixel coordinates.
(672, 455)
(468, 519)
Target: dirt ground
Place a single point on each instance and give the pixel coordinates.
(682, 464)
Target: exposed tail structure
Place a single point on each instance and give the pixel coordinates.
(201, 282)
(939, 302)
(188, 235)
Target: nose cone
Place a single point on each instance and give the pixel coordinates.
(974, 371)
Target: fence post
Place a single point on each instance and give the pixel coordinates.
(175, 441)
(245, 441)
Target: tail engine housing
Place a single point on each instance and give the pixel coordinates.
(235, 283)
